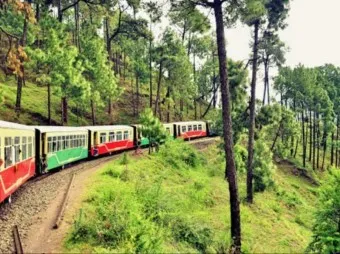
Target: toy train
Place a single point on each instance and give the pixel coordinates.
(27, 151)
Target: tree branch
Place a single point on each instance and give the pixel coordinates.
(8, 34)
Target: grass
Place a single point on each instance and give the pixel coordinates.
(34, 105)
(178, 201)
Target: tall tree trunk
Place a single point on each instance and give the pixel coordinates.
(60, 13)
(160, 73)
(310, 135)
(64, 110)
(324, 142)
(227, 130)
(252, 117)
(107, 36)
(93, 113)
(296, 147)
(150, 65)
(314, 139)
(304, 140)
(137, 94)
(195, 107)
(337, 138)
(268, 85)
(49, 103)
(332, 150)
(77, 30)
(168, 101)
(318, 142)
(21, 76)
(265, 82)
(109, 106)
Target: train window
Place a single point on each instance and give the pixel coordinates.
(63, 142)
(168, 130)
(102, 138)
(17, 149)
(30, 147)
(184, 128)
(189, 127)
(8, 152)
(67, 138)
(60, 144)
(200, 127)
(24, 148)
(126, 135)
(76, 141)
(49, 141)
(54, 144)
(111, 136)
(119, 136)
(195, 127)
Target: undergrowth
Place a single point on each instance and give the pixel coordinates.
(177, 201)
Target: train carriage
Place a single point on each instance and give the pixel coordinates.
(170, 129)
(17, 161)
(143, 141)
(111, 138)
(57, 146)
(192, 129)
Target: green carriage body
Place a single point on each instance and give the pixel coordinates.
(59, 146)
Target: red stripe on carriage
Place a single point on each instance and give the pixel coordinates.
(193, 134)
(14, 176)
(111, 147)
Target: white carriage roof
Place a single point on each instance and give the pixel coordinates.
(190, 122)
(108, 127)
(10, 125)
(60, 129)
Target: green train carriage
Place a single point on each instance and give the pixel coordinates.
(58, 146)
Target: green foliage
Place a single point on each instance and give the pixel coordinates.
(263, 166)
(326, 235)
(175, 208)
(125, 159)
(180, 155)
(152, 128)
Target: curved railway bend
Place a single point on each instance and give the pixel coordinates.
(35, 206)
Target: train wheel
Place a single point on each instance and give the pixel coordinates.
(9, 200)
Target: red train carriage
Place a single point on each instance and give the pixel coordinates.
(17, 157)
(192, 129)
(108, 139)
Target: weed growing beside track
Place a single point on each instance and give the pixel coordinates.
(177, 201)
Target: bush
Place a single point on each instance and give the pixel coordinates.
(263, 166)
(178, 154)
(198, 236)
(326, 235)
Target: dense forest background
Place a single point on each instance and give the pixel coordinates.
(78, 62)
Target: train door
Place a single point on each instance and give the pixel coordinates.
(95, 135)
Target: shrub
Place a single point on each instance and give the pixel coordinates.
(326, 235)
(198, 236)
(263, 166)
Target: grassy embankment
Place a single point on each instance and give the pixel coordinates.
(34, 105)
(177, 201)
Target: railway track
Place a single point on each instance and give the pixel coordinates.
(17, 241)
(36, 195)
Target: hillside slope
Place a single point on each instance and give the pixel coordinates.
(178, 201)
(34, 106)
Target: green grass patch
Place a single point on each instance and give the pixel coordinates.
(177, 201)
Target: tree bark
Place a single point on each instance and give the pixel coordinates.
(332, 150)
(137, 94)
(252, 117)
(310, 136)
(93, 113)
(150, 66)
(49, 103)
(314, 139)
(160, 73)
(227, 130)
(304, 140)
